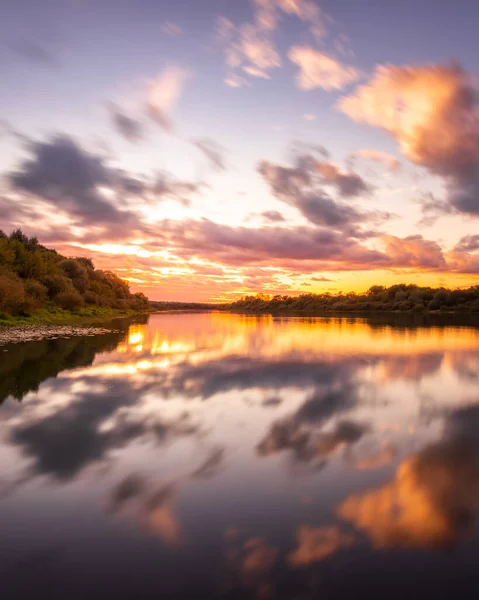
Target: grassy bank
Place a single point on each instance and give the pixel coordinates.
(54, 315)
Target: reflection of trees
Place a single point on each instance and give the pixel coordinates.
(25, 366)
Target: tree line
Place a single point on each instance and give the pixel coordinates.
(33, 277)
(400, 298)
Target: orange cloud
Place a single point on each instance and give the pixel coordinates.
(318, 70)
(374, 461)
(316, 544)
(390, 161)
(431, 501)
(259, 557)
(433, 112)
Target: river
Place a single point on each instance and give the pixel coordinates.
(209, 455)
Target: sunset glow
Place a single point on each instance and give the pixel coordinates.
(204, 151)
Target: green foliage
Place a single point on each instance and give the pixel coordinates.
(397, 298)
(33, 278)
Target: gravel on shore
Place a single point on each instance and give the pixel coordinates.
(32, 333)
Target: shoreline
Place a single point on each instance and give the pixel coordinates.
(44, 318)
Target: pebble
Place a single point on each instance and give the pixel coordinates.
(32, 333)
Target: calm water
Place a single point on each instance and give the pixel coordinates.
(222, 456)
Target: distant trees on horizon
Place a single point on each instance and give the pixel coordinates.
(400, 297)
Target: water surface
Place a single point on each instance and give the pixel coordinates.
(224, 456)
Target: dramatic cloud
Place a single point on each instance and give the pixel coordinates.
(434, 496)
(348, 184)
(316, 544)
(60, 172)
(318, 70)
(82, 187)
(302, 432)
(414, 251)
(243, 245)
(302, 185)
(468, 243)
(433, 112)
(164, 93)
(128, 127)
(214, 153)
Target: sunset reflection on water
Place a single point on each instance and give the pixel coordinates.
(231, 456)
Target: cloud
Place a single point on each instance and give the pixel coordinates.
(251, 45)
(375, 461)
(432, 209)
(214, 152)
(129, 488)
(255, 72)
(316, 544)
(301, 433)
(432, 500)
(318, 70)
(348, 184)
(65, 442)
(235, 81)
(301, 186)
(433, 112)
(388, 160)
(259, 557)
(257, 49)
(161, 518)
(414, 251)
(267, 14)
(164, 93)
(84, 188)
(272, 216)
(468, 243)
(129, 128)
(309, 117)
(60, 172)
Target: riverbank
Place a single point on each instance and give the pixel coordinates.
(57, 316)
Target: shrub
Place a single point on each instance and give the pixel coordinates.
(92, 298)
(36, 290)
(12, 295)
(56, 284)
(69, 300)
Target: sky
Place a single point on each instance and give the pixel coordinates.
(209, 149)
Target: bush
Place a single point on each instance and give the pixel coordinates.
(69, 300)
(92, 298)
(56, 284)
(37, 291)
(12, 295)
